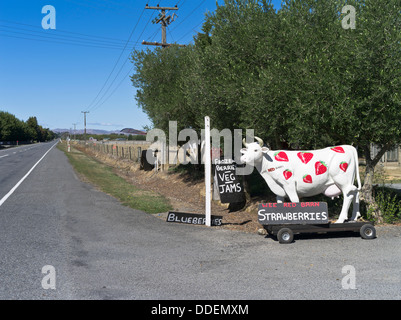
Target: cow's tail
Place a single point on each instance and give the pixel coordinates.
(358, 178)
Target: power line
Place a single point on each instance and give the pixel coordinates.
(57, 39)
(168, 30)
(153, 35)
(193, 29)
(99, 103)
(179, 3)
(103, 7)
(118, 60)
(103, 94)
(57, 31)
(115, 89)
(181, 21)
(94, 106)
(60, 42)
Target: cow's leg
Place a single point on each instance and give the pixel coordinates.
(355, 207)
(291, 191)
(348, 196)
(275, 188)
(294, 197)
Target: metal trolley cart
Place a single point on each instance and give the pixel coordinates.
(285, 232)
(283, 220)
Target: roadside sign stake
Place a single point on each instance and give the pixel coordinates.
(208, 172)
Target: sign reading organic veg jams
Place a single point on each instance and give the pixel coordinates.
(230, 187)
(293, 213)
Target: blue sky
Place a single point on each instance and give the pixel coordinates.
(82, 64)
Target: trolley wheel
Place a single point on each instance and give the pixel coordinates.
(368, 231)
(285, 235)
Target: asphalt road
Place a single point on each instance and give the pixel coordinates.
(102, 250)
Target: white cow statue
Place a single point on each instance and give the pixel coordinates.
(296, 174)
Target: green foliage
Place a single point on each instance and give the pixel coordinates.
(294, 75)
(13, 129)
(389, 203)
(159, 77)
(132, 137)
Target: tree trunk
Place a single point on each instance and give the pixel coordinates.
(367, 189)
(247, 189)
(367, 193)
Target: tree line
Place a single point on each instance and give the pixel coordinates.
(295, 75)
(13, 129)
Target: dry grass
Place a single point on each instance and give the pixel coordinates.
(103, 177)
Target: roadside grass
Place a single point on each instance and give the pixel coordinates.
(103, 177)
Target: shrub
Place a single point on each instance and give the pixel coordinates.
(388, 202)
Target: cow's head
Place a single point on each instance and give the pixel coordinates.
(253, 152)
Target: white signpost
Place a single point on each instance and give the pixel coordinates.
(208, 172)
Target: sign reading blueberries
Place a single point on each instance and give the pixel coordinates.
(230, 187)
(191, 218)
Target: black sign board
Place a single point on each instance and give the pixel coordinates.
(293, 213)
(145, 164)
(192, 218)
(230, 187)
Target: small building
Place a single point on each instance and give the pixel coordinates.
(390, 158)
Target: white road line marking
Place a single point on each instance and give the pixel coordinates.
(24, 177)
(4, 156)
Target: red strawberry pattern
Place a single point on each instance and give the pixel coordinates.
(281, 156)
(320, 167)
(305, 156)
(307, 178)
(344, 166)
(338, 149)
(287, 174)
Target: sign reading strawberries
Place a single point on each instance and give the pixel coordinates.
(293, 213)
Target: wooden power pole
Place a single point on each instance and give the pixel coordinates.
(85, 112)
(164, 20)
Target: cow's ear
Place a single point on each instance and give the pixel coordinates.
(265, 149)
(243, 150)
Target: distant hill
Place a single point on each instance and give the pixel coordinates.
(125, 131)
(133, 131)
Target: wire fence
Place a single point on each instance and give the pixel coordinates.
(130, 150)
